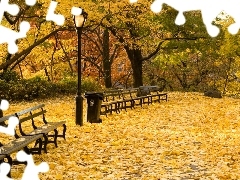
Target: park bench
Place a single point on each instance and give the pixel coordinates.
(38, 134)
(39, 125)
(126, 100)
(8, 146)
(110, 103)
(139, 98)
(154, 93)
(118, 99)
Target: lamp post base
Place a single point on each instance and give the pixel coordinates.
(79, 110)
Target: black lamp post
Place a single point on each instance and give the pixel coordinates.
(79, 21)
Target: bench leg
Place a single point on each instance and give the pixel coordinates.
(27, 150)
(119, 107)
(63, 135)
(64, 131)
(150, 99)
(105, 110)
(35, 150)
(45, 143)
(110, 110)
(125, 106)
(10, 162)
(132, 104)
(117, 110)
(40, 146)
(55, 137)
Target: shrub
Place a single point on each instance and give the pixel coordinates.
(8, 76)
(88, 84)
(38, 87)
(68, 85)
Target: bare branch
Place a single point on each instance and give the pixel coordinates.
(12, 22)
(168, 39)
(30, 48)
(88, 59)
(114, 54)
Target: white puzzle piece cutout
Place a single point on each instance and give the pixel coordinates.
(12, 122)
(31, 171)
(76, 11)
(51, 16)
(30, 2)
(4, 170)
(210, 9)
(4, 105)
(7, 35)
(231, 7)
(10, 129)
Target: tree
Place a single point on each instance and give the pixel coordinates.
(143, 33)
(40, 31)
(100, 50)
(194, 55)
(132, 33)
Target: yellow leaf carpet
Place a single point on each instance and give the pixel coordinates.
(188, 137)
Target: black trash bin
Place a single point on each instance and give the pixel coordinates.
(94, 101)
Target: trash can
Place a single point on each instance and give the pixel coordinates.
(94, 101)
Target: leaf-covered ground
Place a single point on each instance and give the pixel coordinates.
(188, 137)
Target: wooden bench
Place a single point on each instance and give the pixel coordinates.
(154, 93)
(139, 98)
(18, 143)
(118, 99)
(38, 134)
(110, 103)
(39, 125)
(126, 100)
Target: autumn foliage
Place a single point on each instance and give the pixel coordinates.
(125, 45)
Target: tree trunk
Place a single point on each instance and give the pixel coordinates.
(46, 72)
(137, 72)
(106, 60)
(135, 56)
(20, 69)
(107, 75)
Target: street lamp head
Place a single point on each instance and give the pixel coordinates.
(80, 19)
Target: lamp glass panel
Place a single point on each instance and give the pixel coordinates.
(79, 20)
